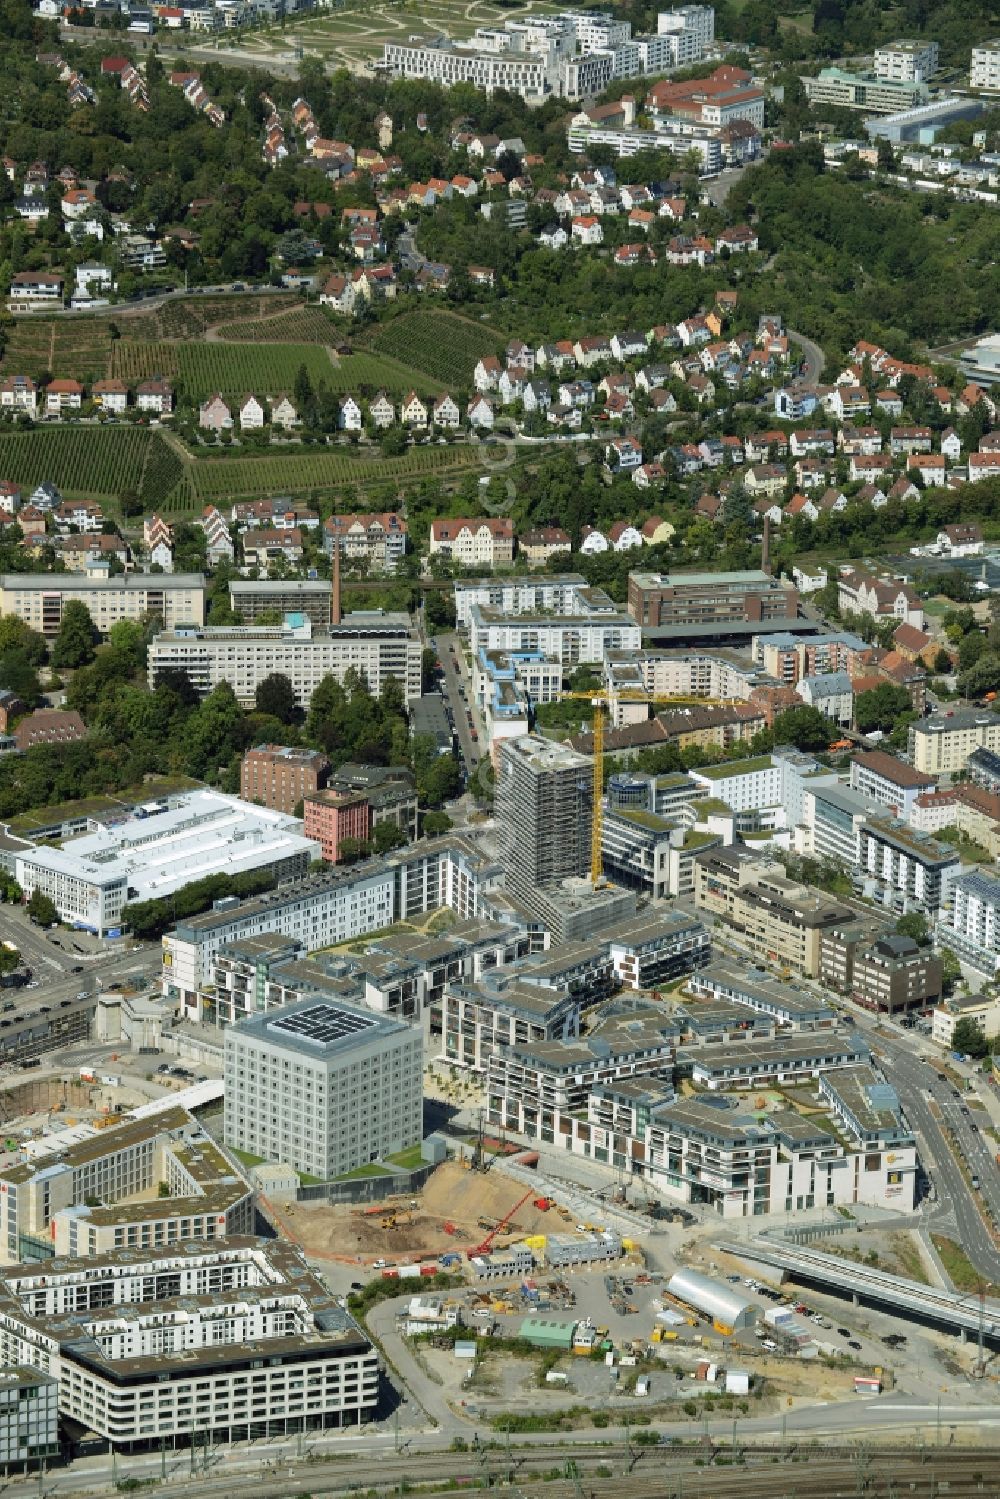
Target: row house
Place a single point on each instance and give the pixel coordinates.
(538, 545)
(260, 548)
(905, 440)
(110, 395)
(78, 515)
(859, 592)
(480, 413)
(377, 539)
(19, 395)
(218, 542)
(863, 441)
(485, 541)
(812, 443)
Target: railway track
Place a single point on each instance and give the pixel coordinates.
(575, 1472)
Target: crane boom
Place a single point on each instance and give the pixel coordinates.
(487, 1244)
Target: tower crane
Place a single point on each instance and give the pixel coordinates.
(599, 705)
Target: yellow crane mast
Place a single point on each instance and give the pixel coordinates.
(598, 704)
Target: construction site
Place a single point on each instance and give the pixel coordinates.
(459, 1210)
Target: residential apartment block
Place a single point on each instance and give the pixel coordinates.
(40, 598)
(85, 1200)
(29, 1417)
(779, 920)
(905, 869)
(944, 743)
(970, 922)
(906, 61)
(544, 803)
(984, 70)
(485, 541)
(889, 782)
(190, 1341)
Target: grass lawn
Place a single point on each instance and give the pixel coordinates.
(361, 1171)
(247, 1158)
(408, 1159)
(963, 1273)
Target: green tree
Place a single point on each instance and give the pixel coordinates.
(275, 695)
(951, 970)
(15, 635)
(806, 727)
(213, 733)
(942, 661)
(10, 959)
(387, 836)
(74, 645)
(353, 849)
(436, 823)
(880, 707)
(968, 1038)
(41, 909)
(914, 924)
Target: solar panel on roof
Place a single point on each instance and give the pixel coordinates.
(322, 1024)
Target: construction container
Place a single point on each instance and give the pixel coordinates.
(547, 1333)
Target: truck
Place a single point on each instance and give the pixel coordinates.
(975, 1182)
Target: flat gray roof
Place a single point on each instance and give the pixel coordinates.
(59, 582)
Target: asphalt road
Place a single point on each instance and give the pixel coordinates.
(813, 358)
(915, 1081)
(453, 679)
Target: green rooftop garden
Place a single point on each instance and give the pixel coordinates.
(735, 768)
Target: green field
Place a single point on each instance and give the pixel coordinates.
(233, 369)
(300, 325)
(92, 462)
(267, 369)
(223, 479)
(82, 348)
(440, 344)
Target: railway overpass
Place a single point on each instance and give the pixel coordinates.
(865, 1285)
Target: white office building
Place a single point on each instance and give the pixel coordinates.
(970, 922)
(29, 1417)
(40, 598)
(232, 1342)
(572, 640)
(694, 28)
(984, 71)
(379, 646)
(99, 1191)
(323, 1086)
(334, 906)
(907, 62)
(157, 852)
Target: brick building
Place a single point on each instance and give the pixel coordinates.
(274, 775)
